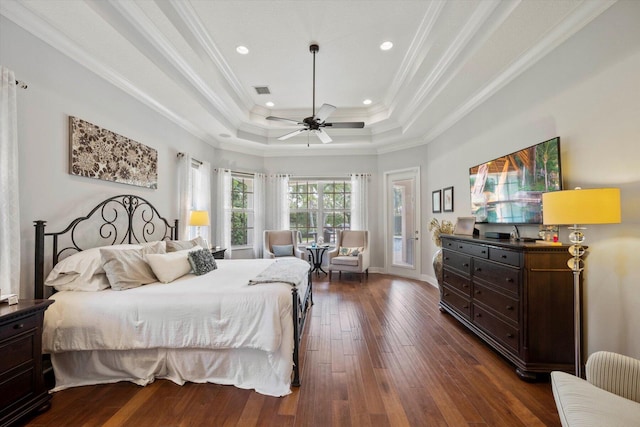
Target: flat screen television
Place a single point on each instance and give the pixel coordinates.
(508, 190)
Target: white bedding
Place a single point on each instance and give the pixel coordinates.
(217, 311)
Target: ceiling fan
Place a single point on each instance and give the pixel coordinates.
(316, 122)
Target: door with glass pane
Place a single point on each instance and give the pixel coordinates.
(402, 195)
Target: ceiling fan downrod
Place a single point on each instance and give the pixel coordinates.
(314, 48)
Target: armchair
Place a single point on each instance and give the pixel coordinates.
(345, 256)
(610, 396)
(278, 243)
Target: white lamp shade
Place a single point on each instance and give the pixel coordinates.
(581, 206)
(199, 218)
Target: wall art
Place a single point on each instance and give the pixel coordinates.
(99, 153)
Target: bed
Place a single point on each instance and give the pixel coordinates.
(214, 327)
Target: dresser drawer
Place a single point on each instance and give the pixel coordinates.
(15, 388)
(451, 279)
(501, 304)
(498, 329)
(16, 352)
(23, 324)
(467, 248)
(505, 256)
(507, 278)
(460, 262)
(459, 303)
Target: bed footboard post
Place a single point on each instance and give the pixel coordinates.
(296, 337)
(175, 230)
(39, 260)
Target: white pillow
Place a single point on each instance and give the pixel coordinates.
(76, 272)
(127, 269)
(170, 266)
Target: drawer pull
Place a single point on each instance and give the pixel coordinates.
(509, 335)
(509, 307)
(483, 252)
(18, 326)
(509, 280)
(446, 258)
(478, 291)
(465, 265)
(465, 306)
(479, 315)
(460, 247)
(504, 257)
(465, 286)
(446, 294)
(446, 276)
(478, 269)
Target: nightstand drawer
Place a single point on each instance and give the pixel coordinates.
(16, 387)
(11, 329)
(16, 352)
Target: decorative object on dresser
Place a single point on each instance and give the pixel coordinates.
(517, 297)
(22, 386)
(99, 153)
(592, 206)
(439, 228)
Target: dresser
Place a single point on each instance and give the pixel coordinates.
(22, 388)
(517, 297)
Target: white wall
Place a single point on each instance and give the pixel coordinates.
(587, 91)
(59, 88)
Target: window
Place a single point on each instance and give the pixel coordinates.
(319, 208)
(242, 210)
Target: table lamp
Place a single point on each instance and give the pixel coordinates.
(199, 219)
(574, 207)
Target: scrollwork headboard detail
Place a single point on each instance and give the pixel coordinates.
(117, 220)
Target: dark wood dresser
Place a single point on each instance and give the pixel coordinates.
(22, 388)
(517, 297)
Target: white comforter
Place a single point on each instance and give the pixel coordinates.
(218, 310)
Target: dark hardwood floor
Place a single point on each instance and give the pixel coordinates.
(376, 353)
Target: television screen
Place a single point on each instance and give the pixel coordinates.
(508, 190)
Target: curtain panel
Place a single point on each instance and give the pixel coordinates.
(9, 186)
(278, 194)
(223, 210)
(359, 201)
(259, 188)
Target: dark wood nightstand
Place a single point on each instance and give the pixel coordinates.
(22, 388)
(218, 253)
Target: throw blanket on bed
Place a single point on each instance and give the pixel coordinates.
(287, 270)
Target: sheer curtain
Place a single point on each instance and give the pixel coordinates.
(359, 201)
(9, 200)
(259, 188)
(278, 194)
(185, 185)
(223, 210)
(202, 197)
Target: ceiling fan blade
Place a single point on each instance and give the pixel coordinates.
(323, 136)
(291, 134)
(280, 119)
(346, 125)
(324, 112)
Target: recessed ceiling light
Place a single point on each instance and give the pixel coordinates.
(225, 135)
(269, 104)
(367, 102)
(242, 50)
(386, 45)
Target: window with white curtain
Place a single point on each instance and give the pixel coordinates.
(318, 208)
(242, 210)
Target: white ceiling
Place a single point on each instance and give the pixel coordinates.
(178, 57)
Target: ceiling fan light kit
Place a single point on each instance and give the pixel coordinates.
(316, 122)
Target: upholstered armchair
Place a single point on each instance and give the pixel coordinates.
(609, 397)
(351, 253)
(279, 243)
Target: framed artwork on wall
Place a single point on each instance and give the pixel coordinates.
(447, 199)
(436, 201)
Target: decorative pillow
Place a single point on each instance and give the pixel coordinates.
(181, 245)
(202, 261)
(169, 267)
(344, 251)
(127, 269)
(82, 271)
(282, 250)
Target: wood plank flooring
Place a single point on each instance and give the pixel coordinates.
(376, 353)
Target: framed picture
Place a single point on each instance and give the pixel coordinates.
(436, 201)
(465, 225)
(447, 199)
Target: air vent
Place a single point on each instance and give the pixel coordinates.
(262, 90)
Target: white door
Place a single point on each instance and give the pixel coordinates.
(402, 222)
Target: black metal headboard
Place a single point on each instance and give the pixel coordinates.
(120, 219)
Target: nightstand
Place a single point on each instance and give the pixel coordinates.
(218, 253)
(22, 388)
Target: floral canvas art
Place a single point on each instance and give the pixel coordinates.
(102, 154)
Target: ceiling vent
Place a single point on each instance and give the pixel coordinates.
(262, 90)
